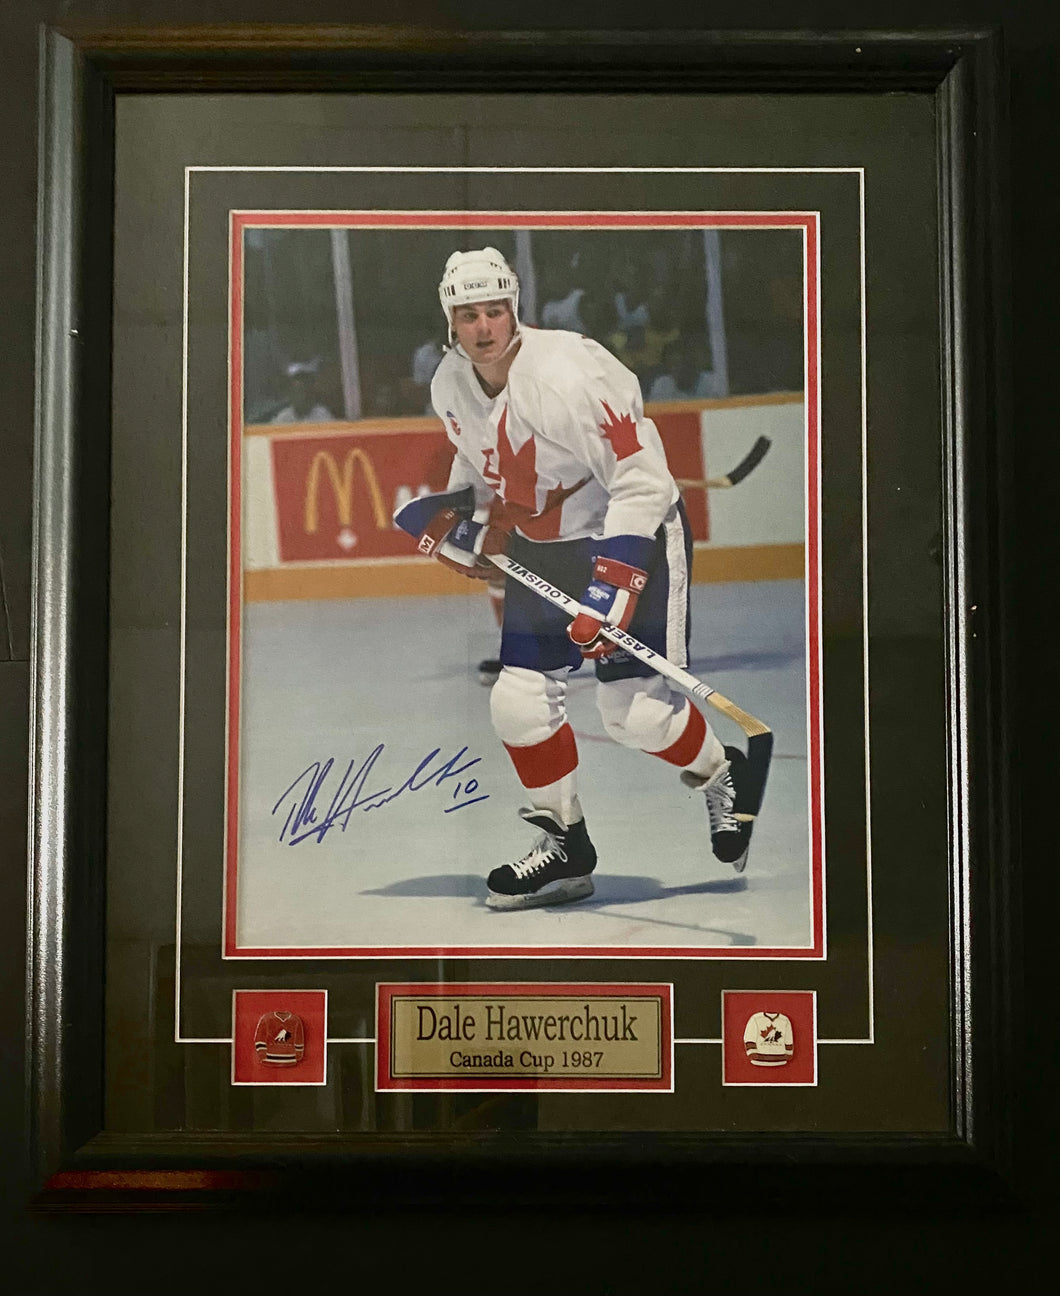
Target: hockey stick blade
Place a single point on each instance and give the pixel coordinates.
(759, 747)
(747, 464)
(750, 461)
(759, 736)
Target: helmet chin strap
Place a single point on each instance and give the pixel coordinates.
(455, 346)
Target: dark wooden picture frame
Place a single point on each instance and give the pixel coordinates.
(80, 1166)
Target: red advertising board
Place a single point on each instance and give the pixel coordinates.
(335, 495)
(679, 431)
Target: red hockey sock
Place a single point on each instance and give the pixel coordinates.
(545, 762)
(685, 750)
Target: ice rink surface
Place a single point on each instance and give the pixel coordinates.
(378, 685)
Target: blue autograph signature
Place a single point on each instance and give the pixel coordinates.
(305, 819)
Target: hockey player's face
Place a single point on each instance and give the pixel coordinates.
(484, 329)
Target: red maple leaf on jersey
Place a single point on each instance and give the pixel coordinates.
(517, 468)
(620, 431)
(546, 524)
(517, 472)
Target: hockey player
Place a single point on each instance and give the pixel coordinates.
(557, 465)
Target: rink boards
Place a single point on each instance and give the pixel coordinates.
(318, 498)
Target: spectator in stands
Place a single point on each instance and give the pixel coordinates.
(416, 390)
(426, 358)
(662, 327)
(640, 347)
(564, 312)
(631, 347)
(598, 317)
(303, 399)
(631, 295)
(684, 375)
(563, 301)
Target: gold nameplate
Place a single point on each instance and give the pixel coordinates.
(525, 1036)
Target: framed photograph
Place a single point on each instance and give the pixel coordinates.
(520, 634)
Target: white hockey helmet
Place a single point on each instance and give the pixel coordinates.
(478, 276)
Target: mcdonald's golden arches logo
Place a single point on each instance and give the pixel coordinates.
(342, 485)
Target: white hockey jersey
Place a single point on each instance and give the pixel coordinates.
(768, 1039)
(565, 446)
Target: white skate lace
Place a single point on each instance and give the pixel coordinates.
(721, 796)
(543, 850)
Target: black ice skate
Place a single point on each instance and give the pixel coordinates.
(556, 870)
(488, 670)
(731, 819)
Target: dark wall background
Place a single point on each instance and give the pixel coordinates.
(664, 1249)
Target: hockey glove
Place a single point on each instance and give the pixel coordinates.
(457, 542)
(611, 596)
(445, 530)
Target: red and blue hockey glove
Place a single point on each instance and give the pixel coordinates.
(445, 529)
(458, 542)
(611, 596)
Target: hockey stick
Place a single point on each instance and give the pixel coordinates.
(759, 736)
(747, 464)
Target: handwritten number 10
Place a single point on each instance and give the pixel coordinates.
(469, 789)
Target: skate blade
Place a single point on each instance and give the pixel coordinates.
(561, 892)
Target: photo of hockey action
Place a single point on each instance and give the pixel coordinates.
(524, 645)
